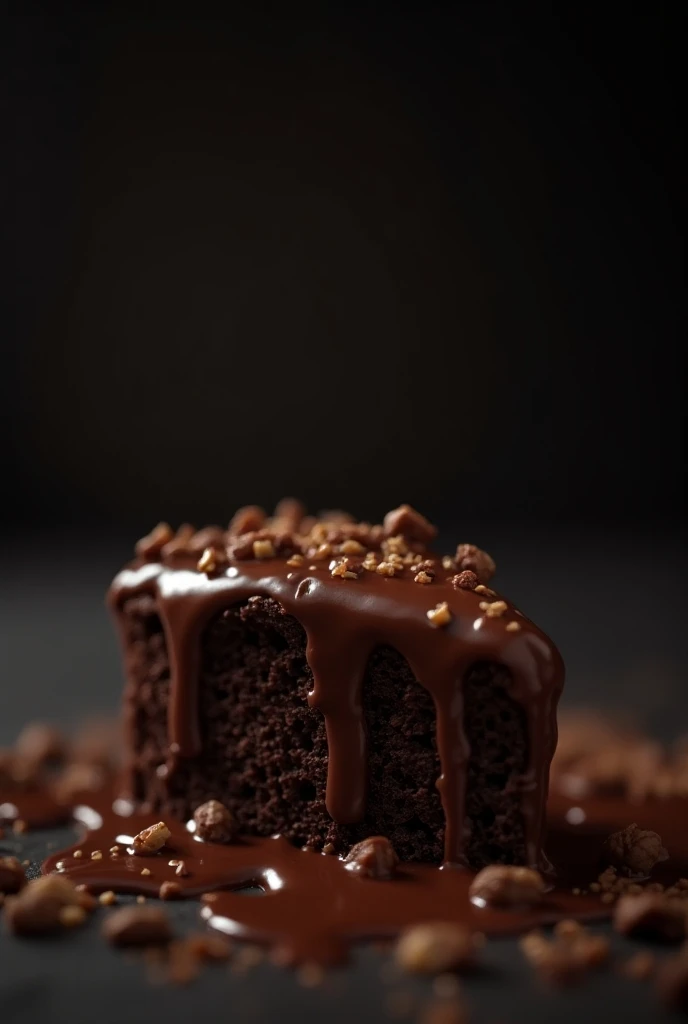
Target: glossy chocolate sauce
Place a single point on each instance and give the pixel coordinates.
(314, 909)
(344, 621)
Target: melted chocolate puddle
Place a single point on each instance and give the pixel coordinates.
(313, 909)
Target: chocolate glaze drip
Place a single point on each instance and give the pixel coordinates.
(344, 621)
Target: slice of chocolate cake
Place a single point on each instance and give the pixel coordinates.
(331, 680)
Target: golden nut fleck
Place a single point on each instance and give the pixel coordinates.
(152, 839)
(72, 915)
(107, 898)
(263, 549)
(97, 855)
(493, 609)
(207, 562)
(440, 615)
(513, 626)
(295, 561)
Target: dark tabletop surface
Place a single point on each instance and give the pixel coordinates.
(618, 617)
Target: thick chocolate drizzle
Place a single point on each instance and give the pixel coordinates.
(344, 621)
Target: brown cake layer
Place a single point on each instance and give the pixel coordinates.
(265, 750)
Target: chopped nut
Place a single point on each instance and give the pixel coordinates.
(295, 561)
(137, 926)
(347, 569)
(448, 563)
(468, 556)
(181, 870)
(493, 609)
(410, 524)
(149, 547)
(502, 885)
(97, 855)
(169, 891)
(328, 849)
(71, 916)
(386, 569)
(211, 560)
(423, 577)
(246, 520)
(635, 851)
(214, 823)
(652, 916)
(36, 909)
(145, 871)
(77, 780)
(374, 857)
(322, 552)
(12, 876)
(152, 839)
(465, 580)
(482, 589)
(107, 898)
(439, 615)
(263, 549)
(513, 626)
(639, 967)
(436, 948)
(39, 744)
(351, 547)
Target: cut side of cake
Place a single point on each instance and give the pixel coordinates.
(330, 680)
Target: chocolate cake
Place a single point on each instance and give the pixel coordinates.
(330, 680)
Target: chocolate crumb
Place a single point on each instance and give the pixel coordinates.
(137, 926)
(652, 916)
(151, 839)
(372, 858)
(635, 851)
(506, 886)
(465, 580)
(439, 615)
(12, 876)
(436, 948)
(214, 823)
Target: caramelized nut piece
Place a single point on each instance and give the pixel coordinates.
(410, 524)
(635, 851)
(374, 857)
(214, 823)
(440, 615)
(468, 556)
(263, 549)
(152, 839)
(502, 885)
(465, 580)
(652, 915)
(436, 948)
(137, 926)
(247, 520)
(149, 547)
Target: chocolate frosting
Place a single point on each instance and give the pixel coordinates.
(345, 619)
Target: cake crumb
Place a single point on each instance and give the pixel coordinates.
(634, 850)
(465, 580)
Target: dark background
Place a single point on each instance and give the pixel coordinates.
(415, 253)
